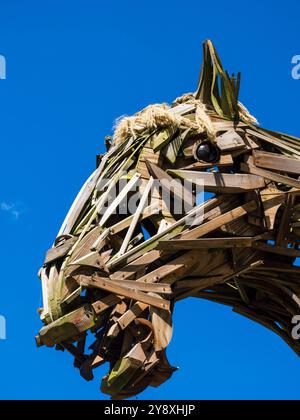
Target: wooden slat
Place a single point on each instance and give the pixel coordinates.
(171, 231)
(125, 223)
(203, 283)
(44, 275)
(225, 160)
(59, 251)
(144, 287)
(229, 141)
(173, 270)
(120, 197)
(276, 162)
(80, 201)
(147, 154)
(272, 140)
(270, 175)
(106, 303)
(163, 328)
(219, 221)
(114, 287)
(285, 222)
(225, 125)
(183, 244)
(172, 186)
(136, 265)
(136, 309)
(219, 182)
(272, 200)
(136, 217)
(288, 252)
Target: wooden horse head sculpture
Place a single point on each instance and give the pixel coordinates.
(117, 274)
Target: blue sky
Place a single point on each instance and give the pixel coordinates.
(73, 67)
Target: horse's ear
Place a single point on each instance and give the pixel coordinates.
(216, 88)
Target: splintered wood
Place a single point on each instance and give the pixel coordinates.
(143, 234)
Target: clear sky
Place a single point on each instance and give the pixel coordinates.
(73, 67)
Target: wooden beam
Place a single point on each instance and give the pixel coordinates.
(198, 284)
(171, 231)
(162, 288)
(120, 197)
(273, 176)
(206, 243)
(225, 160)
(136, 266)
(288, 252)
(131, 314)
(105, 303)
(285, 223)
(276, 162)
(125, 223)
(219, 221)
(260, 134)
(172, 270)
(136, 217)
(115, 288)
(219, 182)
(172, 186)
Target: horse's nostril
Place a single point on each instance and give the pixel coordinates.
(207, 151)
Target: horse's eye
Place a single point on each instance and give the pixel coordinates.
(207, 151)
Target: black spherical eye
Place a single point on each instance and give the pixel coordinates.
(207, 151)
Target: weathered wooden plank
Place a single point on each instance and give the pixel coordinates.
(251, 143)
(182, 109)
(67, 326)
(171, 271)
(114, 287)
(164, 224)
(162, 288)
(206, 243)
(59, 251)
(276, 162)
(219, 182)
(45, 314)
(147, 154)
(230, 141)
(288, 252)
(225, 160)
(219, 221)
(225, 125)
(173, 186)
(136, 266)
(81, 199)
(171, 231)
(125, 223)
(120, 197)
(272, 200)
(131, 314)
(163, 328)
(285, 223)
(162, 138)
(136, 217)
(272, 140)
(106, 303)
(196, 285)
(270, 175)
(202, 282)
